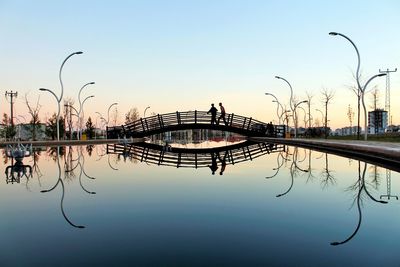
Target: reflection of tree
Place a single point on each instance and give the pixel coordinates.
(310, 177)
(327, 178)
(360, 187)
(375, 175)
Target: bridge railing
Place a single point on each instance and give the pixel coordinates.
(161, 121)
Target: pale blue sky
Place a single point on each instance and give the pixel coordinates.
(183, 55)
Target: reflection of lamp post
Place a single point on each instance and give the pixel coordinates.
(62, 92)
(277, 107)
(295, 116)
(144, 113)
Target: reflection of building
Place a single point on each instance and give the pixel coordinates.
(377, 121)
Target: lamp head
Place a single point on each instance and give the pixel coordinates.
(79, 52)
(42, 89)
(278, 77)
(267, 94)
(382, 74)
(92, 83)
(333, 33)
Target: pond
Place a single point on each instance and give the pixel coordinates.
(249, 205)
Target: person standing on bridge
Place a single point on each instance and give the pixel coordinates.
(213, 110)
(222, 116)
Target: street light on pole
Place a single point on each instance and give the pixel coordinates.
(79, 115)
(144, 113)
(295, 116)
(277, 107)
(108, 112)
(359, 89)
(80, 108)
(363, 103)
(59, 99)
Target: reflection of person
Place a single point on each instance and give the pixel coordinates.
(222, 116)
(213, 112)
(214, 166)
(223, 162)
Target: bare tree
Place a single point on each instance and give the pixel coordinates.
(132, 115)
(34, 112)
(68, 104)
(309, 98)
(327, 96)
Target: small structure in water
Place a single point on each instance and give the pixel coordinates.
(17, 170)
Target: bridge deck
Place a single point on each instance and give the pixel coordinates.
(195, 120)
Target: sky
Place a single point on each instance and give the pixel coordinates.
(185, 55)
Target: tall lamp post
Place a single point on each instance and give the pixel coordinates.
(359, 89)
(80, 107)
(277, 107)
(108, 112)
(79, 115)
(144, 113)
(295, 116)
(291, 94)
(59, 99)
(363, 103)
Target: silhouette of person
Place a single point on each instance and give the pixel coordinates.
(223, 162)
(222, 116)
(214, 165)
(213, 110)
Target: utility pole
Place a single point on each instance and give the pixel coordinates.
(387, 97)
(11, 95)
(350, 115)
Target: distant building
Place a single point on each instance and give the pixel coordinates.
(347, 131)
(377, 121)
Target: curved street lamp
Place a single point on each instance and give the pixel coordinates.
(59, 99)
(277, 107)
(79, 115)
(80, 108)
(108, 112)
(363, 103)
(295, 116)
(359, 89)
(144, 113)
(291, 91)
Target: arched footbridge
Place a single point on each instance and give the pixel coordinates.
(187, 120)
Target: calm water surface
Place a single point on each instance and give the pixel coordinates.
(275, 206)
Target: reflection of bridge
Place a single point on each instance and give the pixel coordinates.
(194, 157)
(194, 120)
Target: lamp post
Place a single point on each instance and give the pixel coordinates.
(291, 91)
(144, 113)
(79, 115)
(108, 112)
(59, 99)
(363, 102)
(295, 116)
(80, 107)
(359, 89)
(277, 107)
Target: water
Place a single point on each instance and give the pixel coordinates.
(144, 214)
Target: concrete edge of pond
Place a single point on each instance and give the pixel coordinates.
(384, 154)
(52, 143)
